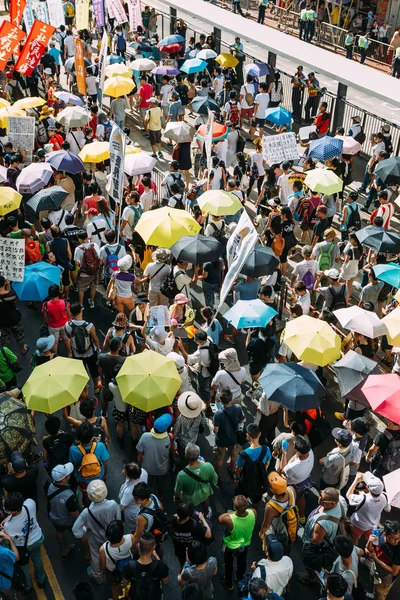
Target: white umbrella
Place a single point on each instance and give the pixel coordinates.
(142, 64)
(34, 177)
(392, 487)
(137, 164)
(3, 174)
(73, 116)
(180, 132)
(361, 321)
(206, 54)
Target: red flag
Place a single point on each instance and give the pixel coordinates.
(80, 67)
(17, 8)
(34, 47)
(10, 38)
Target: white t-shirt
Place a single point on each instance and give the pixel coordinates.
(368, 516)
(258, 159)
(302, 267)
(210, 230)
(17, 527)
(297, 470)
(78, 254)
(165, 92)
(96, 230)
(378, 148)
(112, 249)
(248, 88)
(126, 499)
(69, 43)
(118, 402)
(262, 101)
(163, 349)
(91, 85)
(129, 215)
(278, 573)
(182, 281)
(57, 217)
(89, 326)
(285, 188)
(157, 273)
(222, 380)
(76, 140)
(305, 302)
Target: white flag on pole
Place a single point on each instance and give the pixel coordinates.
(208, 140)
(117, 154)
(102, 62)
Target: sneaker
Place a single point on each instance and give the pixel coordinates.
(229, 587)
(154, 155)
(91, 303)
(250, 392)
(339, 416)
(160, 154)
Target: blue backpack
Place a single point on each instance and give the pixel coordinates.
(120, 42)
(107, 130)
(112, 259)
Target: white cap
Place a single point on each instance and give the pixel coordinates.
(332, 273)
(374, 484)
(60, 472)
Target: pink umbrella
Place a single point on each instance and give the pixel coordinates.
(350, 145)
(383, 394)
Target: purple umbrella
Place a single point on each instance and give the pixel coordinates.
(166, 70)
(63, 160)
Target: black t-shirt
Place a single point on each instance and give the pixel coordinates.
(48, 61)
(382, 441)
(9, 314)
(214, 272)
(183, 534)
(71, 234)
(134, 570)
(26, 485)
(108, 364)
(57, 448)
(319, 228)
(259, 351)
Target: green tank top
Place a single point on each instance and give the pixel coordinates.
(242, 530)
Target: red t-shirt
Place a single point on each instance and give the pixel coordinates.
(146, 92)
(56, 312)
(91, 201)
(56, 139)
(322, 123)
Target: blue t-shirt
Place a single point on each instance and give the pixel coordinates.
(55, 53)
(75, 456)
(254, 454)
(214, 335)
(248, 290)
(7, 561)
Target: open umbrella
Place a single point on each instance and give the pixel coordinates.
(73, 116)
(383, 395)
(292, 386)
(197, 249)
(180, 132)
(219, 202)
(171, 39)
(118, 70)
(148, 381)
(69, 98)
(95, 152)
(37, 279)
(389, 273)
(139, 163)
(47, 199)
(227, 60)
(392, 323)
(171, 48)
(392, 488)
(202, 105)
(70, 62)
(113, 59)
(256, 69)
(261, 261)
(29, 102)
(250, 313)
(278, 115)
(326, 147)
(34, 177)
(323, 181)
(352, 370)
(64, 160)
(142, 64)
(206, 54)
(143, 46)
(350, 145)
(165, 226)
(118, 86)
(219, 132)
(312, 340)
(16, 427)
(10, 111)
(193, 65)
(389, 170)
(4, 102)
(362, 321)
(165, 70)
(9, 200)
(379, 239)
(55, 384)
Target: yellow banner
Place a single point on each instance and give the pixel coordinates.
(80, 67)
(82, 14)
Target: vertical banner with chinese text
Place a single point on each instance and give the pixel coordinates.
(56, 12)
(82, 14)
(33, 49)
(10, 38)
(80, 66)
(17, 8)
(98, 11)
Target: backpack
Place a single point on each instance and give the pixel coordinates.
(120, 42)
(213, 351)
(249, 97)
(287, 524)
(90, 466)
(168, 286)
(354, 218)
(33, 253)
(308, 280)
(183, 90)
(80, 338)
(90, 260)
(69, 10)
(233, 112)
(112, 259)
(219, 234)
(99, 433)
(178, 180)
(325, 257)
(391, 459)
(58, 454)
(41, 133)
(119, 564)
(107, 130)
(360, 137)
(278, 245)
(253, 476)
(124, 340)
(179, 203)
(144, 585)
(320, 429)
(159, 527)
(240, 144)
(338, 300)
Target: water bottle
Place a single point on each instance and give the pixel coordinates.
(285, 445)
(375, 532)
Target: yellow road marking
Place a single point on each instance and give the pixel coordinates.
(51, 576)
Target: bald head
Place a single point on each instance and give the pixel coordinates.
(240, 504)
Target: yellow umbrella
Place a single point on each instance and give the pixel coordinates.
(55, 384)
(227, 60)
(312, 340)
(118, 69)
(29, 102)
(9, 200)
(4, 102)
(219, 203)
(165, 226)
(148, 380)
(118, 86)
(10, 111)
(392, 322)
(99, 151)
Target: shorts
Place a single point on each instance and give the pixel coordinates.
(135, 415)
(17, 331)
(247, 112)
(283, 257)
(113, 577)
(65, 280)
(69, 20)
(118, 416)
(154, 137)
(302, 487)
(165, 110)
(59, 333)
(255, 368)
(86, 281)
(219, 451)
(83, 485)
(61, 528)
(143, 112)
(258, 123)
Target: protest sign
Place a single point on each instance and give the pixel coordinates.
(117, 9)
(56, 12)
(17, 8)
(29, 17)
(304, 132)
(80, 66)
(40, 11)
(82, 14)
(21, 132)
(281, 147)
(12, 259)
(98, 11)
(117, 153)
(159, 317)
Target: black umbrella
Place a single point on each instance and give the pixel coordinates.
(379, 239)
(389, 170)
(202, 105)
(197, 249)
(293, 386)
(261, 261)
(48, 199)
(352, 370)
(143, 46)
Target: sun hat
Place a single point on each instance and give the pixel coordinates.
(277, 483)
(48, 71)
(152, 100)
(332, 273)
(60, 472)
(374, 484)
(229, 359)
(190, 405)
(356, 119)
(177, 358)
(45, 343)
(120, 320)
(181, 299)
(97, 490)
(158, 334)
(18, 462)
(161, 255)
(162, 423)
(46, 110)
(125, 263)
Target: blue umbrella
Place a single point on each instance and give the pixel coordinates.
(292, 386)
(63, 160)
(389, 273)
(326, 147)
(278, 115)
(37, 279)
(171, 39)
(69, 98)
(193, 65)
(250, 313)
(114, 59)
(257, 69)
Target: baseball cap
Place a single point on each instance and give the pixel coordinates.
(92, 211)
(153, 99)
(342, 435)
(374, 484)
(60, 472)
(332, 273)
(274, 548)
(162, 423)
(48, 71)
(18, 462)
(300, 67)
(386, 128)
(277, 483)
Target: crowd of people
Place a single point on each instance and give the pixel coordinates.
(294, 477)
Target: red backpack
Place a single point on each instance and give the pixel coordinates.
(32, 252)
(234, 112)
(90, 261)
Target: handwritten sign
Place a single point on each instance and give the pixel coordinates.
(12, 259)
(21, 132)
(281, 147)
(117, 154)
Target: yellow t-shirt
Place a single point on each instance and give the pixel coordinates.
(153, 118)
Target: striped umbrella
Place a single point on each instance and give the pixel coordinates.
(47, 199)
(325, 148)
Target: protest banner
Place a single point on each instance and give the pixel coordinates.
(29, 17)
(12, 259)
(117, 153)
(102, 63)
(208, 139)
(17, 8)
(34, 47)
(80, 66)
(304, 132)
(117, 9)
(134, 21)
(21, 132)
(40, 11)
(56, 12)
(281, 147)
(10, 38)
(82, 14)
(98, 11)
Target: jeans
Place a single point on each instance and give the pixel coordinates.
(237, 8)
(261, 14)
(241, 558)
(371, 198)
(210, 290)
(366, 180)
(35, 553)
(302, 29)
(310, 29)
(121, 124)
(363, 55)
(311, 107)
(297, 102)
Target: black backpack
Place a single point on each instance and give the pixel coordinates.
(219, 234)
(354, 218)
(58, 453)
(178, 180)
(183, 91)
(360, 137)
(168, 286)
(320, 429)
(214, 360)
(144, 585)
(253, 476)
(80, 338)
(159, 527)
(338, 300)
